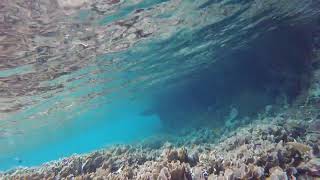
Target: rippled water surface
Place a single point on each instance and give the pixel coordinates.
(75, 75)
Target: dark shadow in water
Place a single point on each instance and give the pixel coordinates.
(273, 70)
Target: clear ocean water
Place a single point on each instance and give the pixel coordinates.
(81, 75)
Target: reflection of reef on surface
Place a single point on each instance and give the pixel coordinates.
(50, 48)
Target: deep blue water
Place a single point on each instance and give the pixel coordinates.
(86, 76)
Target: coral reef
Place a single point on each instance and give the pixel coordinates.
(277, 147)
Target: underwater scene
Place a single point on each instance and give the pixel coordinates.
(160, 89)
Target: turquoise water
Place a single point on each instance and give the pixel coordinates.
(94, 129)
(79, 77)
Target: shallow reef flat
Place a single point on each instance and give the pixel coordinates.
(283, 146)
